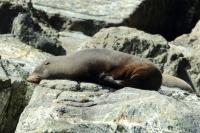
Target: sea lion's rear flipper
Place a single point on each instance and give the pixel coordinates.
(171, 81)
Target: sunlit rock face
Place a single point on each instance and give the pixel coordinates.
(67, 106)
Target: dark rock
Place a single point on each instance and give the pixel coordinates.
(29, 31)
(5, 82)
(52, 46)
(12, 94)
(8, 12)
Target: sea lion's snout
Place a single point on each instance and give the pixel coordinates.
(34, 78)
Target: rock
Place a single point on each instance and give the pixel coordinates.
(188, 45)
(178, 65)
(30, 32)
(168, 18)
(15, 51)
(178, 94)
(174, 17)
(71, 41)
(68, 85)
(5, 82)
(18, 2)
(17, 60)
(8, 12)
(12, 99)
(61, 85)
(5, 94)
(124, 110)
(132, 41)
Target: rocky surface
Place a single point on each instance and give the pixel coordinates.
(8, 12)
(168, 18)
(71, 41)
(5, 81)
(66, 106)
(13, 49)
(189, 45)
(63, 26)
(17, 60)
(30, 32)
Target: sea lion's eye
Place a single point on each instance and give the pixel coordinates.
(46, 62)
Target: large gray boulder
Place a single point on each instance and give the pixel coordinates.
(66, 106)
(17, 60)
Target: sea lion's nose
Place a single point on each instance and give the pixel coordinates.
(33, 78)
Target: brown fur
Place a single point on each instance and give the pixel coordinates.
(103, 66)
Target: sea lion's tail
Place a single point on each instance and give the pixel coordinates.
(171, 81)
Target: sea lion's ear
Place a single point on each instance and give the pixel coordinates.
(46, 62)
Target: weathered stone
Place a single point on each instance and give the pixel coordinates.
(5, 95)
(71, 41)
(30, 32)
(5, 82)
(188, 45)
(66, 85)
(13, 94)
(18, 59)
(124, 110)
(20, 53)
(124, 38)
(18, 2)
(174, 17)
(15, 105)
(168, 18)
(11, 97)
(7, 14)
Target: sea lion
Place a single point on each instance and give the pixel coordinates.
(102, 66)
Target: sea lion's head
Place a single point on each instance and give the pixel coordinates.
(40, 72)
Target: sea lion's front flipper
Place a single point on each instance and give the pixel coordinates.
(109, 80)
